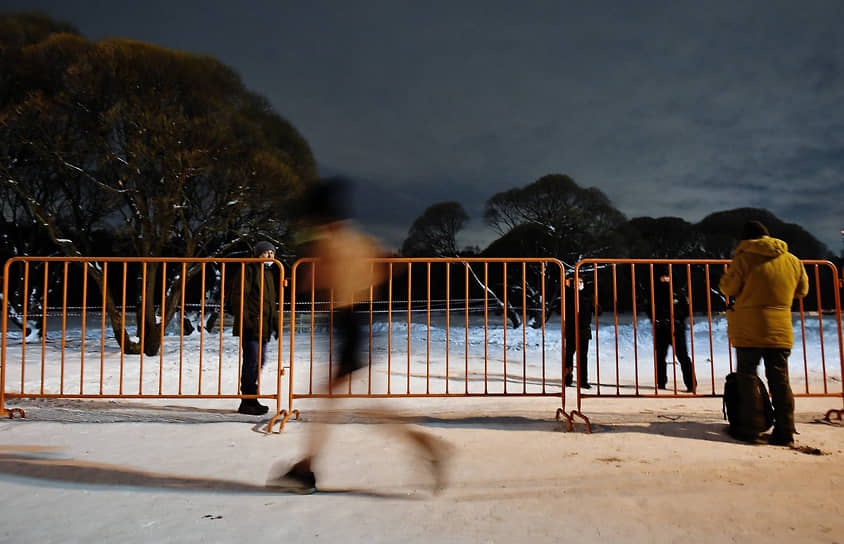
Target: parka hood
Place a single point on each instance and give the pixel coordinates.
(765, 246)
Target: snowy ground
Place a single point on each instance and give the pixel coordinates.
(193, 470)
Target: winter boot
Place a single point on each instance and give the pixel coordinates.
(252, 407)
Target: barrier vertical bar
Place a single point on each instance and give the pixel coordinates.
(543, 300)
(466, 337)
(409, 318)
(143, 328)
(44, 305)
(486, 327)
(103, 324)
(123, 327)
(84, 325)
(597, 329)
(223, 324)
(64, 328)
(389, 331)
(260, 324)
(671, 318)
(524, 327)
(709, 326)
(182, 327)
(3, 327)
(820, 327)
(837, 296)
(506, 310)
(371, 323)
(447, 324)
(635, 326)
(653, 327)
(615, 325)
(282, 282)
(163, 325)
(25, 321)
(202, 326)
(691, 326)
(428, 332)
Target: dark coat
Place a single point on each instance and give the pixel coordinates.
(663, 301)
(255, 321)
(587, 308)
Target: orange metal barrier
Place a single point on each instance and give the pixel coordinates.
(624, 289)
(438, 328)
(82, 308)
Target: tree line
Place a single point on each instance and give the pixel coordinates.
(555, 217)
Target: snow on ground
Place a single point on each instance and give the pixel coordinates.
(193, 470)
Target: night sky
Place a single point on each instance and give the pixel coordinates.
(671, 108)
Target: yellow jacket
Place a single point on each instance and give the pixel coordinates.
(765, 278)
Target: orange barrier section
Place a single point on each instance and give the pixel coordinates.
(437, 328)
(77, 313)
(624, 289)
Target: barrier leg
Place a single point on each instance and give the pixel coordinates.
(585, 419)
(838, 413)
(12, 411)
(284, 417)
(561, 412)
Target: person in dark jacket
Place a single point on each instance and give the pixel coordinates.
(578, 325)
(670, 311)
(255, 310)
(765, 279)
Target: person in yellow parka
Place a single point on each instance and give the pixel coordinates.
(765, 279)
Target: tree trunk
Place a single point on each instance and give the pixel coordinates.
(512, 314)
(120, 333)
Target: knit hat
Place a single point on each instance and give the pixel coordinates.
(753, 230)
(261, 247)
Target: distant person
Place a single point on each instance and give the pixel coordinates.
(259, 320)
(575, 328)
(765, 279)
(669, 314)
(344, 268)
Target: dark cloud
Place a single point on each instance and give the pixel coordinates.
(671, 108)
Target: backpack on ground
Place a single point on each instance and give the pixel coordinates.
(747, 406)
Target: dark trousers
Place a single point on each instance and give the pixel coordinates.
(347, 328)
(571, 347)
(776, 372)
(249, 371)
(663, 342)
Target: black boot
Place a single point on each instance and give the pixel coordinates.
(781, 438)
(252, 407)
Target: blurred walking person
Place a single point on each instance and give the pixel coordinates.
(344, 269)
